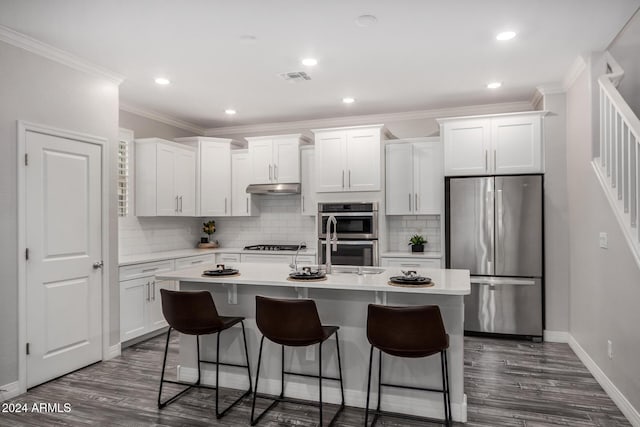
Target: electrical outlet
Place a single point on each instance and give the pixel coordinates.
(311, 353)
(604, 240)
(610, 349)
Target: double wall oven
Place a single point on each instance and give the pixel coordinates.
(357, 233)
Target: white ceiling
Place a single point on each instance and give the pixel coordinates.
(421, 54)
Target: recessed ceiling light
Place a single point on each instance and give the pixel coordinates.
(366, 20)
(309, 62)
(348, 100)
(162, 81)
(494, 85)
(505, 35)
(230, 111)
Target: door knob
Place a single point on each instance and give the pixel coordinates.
(98, 264)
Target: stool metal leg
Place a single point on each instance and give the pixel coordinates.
(366, 408)
(320, 379)
(446, 371)
(340, 368)
(254, 421)
(162, 404)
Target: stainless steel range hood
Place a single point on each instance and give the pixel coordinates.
(289, 188)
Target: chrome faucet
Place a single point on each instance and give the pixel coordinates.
(331, 241)
(294, 266)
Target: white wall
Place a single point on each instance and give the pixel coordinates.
(604, 283)
(144, 127)
(38, 90)
(556, 225)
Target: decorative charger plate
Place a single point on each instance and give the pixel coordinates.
(410, 280)
(216, 273)
(307, 276)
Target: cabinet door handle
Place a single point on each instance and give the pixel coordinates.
(148, 291)
(409, 202)
(486, 160)
(270, 173)
(247, 200)
(225, 205)
(409, 265)
(494, 160)
(302, 207)
(416, 203)
(343, 179)
(349, 178)
(275, 172)
(153, 292)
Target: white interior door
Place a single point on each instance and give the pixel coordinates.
(64, 239)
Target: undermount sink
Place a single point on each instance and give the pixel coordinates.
(354, 269)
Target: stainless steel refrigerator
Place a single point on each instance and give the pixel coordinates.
(494, 229)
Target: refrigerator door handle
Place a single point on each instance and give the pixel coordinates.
(499, 221)
(490, 224)
(497, 281)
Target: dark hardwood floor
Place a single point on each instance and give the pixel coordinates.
(508, 383)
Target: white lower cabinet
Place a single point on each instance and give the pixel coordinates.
(140, 301)
(410, 262)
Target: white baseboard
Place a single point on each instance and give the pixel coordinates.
(113, 351)
(422, 404)
(9, 391)
(556, 336)
(614, 393)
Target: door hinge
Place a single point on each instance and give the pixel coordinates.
(27, 348)
(26, 159)
(26, 254)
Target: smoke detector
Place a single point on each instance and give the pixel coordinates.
(295, 76)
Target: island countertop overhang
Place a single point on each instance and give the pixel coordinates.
(446, 282)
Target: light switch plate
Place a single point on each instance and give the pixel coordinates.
(604, 240)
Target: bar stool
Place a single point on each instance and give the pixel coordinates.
(407, 332)
(194, 313)
(294, 323)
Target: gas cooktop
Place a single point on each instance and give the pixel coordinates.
(273, 247)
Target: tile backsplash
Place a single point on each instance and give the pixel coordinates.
(138, 235)
(401, 228)
(279, 222)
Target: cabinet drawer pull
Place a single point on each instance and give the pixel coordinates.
(147, 270)
(409, 265)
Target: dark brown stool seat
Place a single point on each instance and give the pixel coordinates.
(293, 323)
(195, 313)
(412, 332)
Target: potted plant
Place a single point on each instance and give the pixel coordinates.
(417, 243)
(208, 228)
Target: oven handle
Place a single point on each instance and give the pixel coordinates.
(351, 242)
(339, 214)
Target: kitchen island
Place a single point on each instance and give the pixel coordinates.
(342, 300)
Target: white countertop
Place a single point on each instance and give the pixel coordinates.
(409, 254)
(446, 282)
(183, 253)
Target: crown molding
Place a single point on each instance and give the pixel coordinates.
(576, 69)
(37, 47)
(544, 90)
(162, 118)
(268, 128)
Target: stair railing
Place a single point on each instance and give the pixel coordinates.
(618, 165)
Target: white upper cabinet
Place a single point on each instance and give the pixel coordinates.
(414, 177)
(165, 178)
(308, 202)
(213, 175)
(242, 203)
(275, 159)
(348, 159)
(487, 145)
